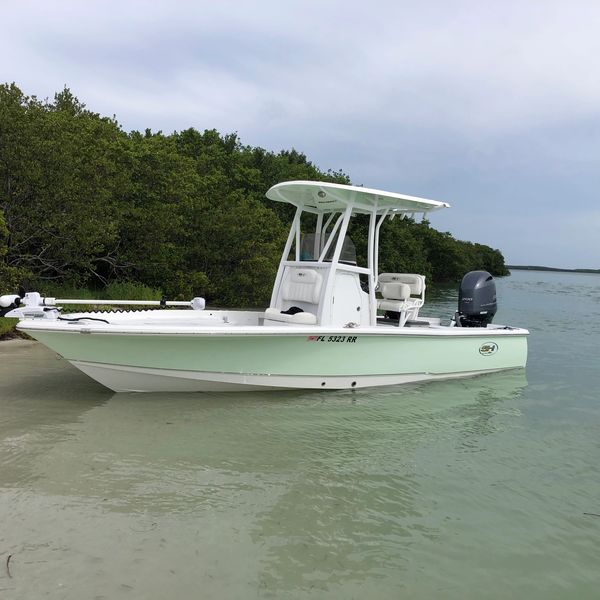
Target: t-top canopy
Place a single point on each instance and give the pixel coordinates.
(320, 196)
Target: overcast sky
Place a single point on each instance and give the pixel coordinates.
(491, 106)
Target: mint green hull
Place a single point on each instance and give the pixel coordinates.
(282, 361)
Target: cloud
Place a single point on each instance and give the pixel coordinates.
(486, 105)
(470, 69)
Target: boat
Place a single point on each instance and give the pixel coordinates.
(332, 322)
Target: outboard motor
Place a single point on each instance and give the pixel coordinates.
(476, 300)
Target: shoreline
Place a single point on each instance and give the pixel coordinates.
(17, 341)
(553, 269)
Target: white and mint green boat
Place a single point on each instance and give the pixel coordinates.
(331, 323)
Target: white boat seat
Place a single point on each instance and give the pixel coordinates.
(403, 293)
(300, 287)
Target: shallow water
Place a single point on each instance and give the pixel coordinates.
(466, 489)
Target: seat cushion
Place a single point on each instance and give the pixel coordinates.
(302, 285)
(415, 281)
(301, 318)
(395, 291)
(394, 305)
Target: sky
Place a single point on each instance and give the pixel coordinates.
(493, 107)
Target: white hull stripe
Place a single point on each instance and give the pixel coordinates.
(140, 379)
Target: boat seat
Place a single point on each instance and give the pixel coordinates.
(402, 293)
(303, 287)
(300, 318)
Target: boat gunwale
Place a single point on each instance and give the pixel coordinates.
(228, 330)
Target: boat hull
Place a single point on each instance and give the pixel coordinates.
(132, 379)
(214, 361)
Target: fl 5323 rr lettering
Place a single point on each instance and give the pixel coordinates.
(336, 339)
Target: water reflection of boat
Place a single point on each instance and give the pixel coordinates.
(325, 327)
(127, 446)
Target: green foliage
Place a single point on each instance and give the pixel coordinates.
(130, 290)
(402, 249)
(54, 289)
(85, 205)
(7, 328)
(10, 277)
(58, 179)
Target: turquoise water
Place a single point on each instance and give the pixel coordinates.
(467, 489)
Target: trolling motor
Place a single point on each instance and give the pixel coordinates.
(34, 305)
(9, 302)
(476, 300)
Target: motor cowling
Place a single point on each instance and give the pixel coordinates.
(476, 300)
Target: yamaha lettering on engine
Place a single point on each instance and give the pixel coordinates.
(476, 300)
